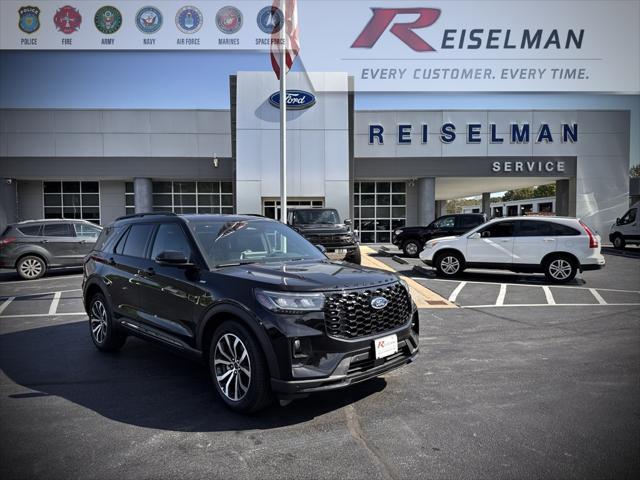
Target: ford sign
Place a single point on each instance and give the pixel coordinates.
(379, 303)
(296, 99)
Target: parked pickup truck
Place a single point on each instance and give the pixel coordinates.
(322, 226)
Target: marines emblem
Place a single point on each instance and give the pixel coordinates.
(229, 20)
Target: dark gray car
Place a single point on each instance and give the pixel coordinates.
(34, 246)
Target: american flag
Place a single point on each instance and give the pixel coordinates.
(291, 37)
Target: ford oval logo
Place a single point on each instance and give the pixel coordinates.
(379, 303)
(296, 99)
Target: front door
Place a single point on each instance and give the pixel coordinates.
(495, 245)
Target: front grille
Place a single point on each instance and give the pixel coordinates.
(329, 239)
(350, 314)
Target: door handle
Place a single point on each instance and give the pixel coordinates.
(112, 261)
(82, 241)
(44, 241)
(150, 271)
(549, 240)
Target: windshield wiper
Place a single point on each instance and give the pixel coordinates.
(235, 264)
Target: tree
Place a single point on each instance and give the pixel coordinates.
(519, 194)
(548, 190)
(635, 171)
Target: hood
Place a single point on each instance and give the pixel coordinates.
(308, 275)
(444, 239)
(319, 228)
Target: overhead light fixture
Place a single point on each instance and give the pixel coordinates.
(216, 162)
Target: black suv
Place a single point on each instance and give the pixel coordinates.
(263, 307)
(322, 226)
(412, 239)
(33, 246)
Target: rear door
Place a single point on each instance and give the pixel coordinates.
(59, 239)
(86, 236)
(464, 223)
(495, 245)
(533, 241)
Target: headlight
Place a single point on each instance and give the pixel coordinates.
(290, 302)
(398, 232)
(430, 244)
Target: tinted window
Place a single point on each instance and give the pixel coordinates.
(533, 228)
(136, 242)
(444, 222)
(500, 229)
(170, 236)
(32, 230)
(559, 230)
(469, 221)
(629, 217)
(58, 230)
(106, 238)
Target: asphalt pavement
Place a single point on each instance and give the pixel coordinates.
(518, 390)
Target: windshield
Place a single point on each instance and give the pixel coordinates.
(316, 216)
(255, 241)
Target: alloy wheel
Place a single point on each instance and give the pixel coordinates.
(560, 269)
(232, 367)
(98, 319)
(411, 248)
(31, 268)
(450, 265)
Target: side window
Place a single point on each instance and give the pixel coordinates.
(559, 230)
(533, 228)
(469, 221)
(88, 232)
(31, 230)
(120, 245)
(136, 242)
(107, 237)
(629, 217)
(445, 222)
(170, 236)
(58, 230)
(500, 229)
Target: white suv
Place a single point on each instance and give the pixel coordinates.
(557, 246)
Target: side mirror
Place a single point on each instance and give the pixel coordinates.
(347, 221)
(321, 248)
(475, 236)
(486, 234)
(618, 221)
(173, 257)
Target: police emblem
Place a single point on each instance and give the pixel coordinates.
(108, 20)
(189, 19)
(148, 19)
(229, 20)
(270, 20)
(67, 19)
(29, 20)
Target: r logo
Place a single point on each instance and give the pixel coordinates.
(382, 18)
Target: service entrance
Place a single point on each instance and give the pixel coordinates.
(271, 206)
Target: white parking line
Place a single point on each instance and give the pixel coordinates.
(501, 295)
(597, 296)
(456, 292)
(54, 303)
(39, 280)
(42, 294)
(548, 295)
(6, 303)
(29, 315)
(518, 305)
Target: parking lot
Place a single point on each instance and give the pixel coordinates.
(525, 380)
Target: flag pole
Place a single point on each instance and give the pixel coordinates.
(283, 115)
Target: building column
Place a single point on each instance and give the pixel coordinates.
(486, 204)
(426, 200)
(441, 208)
(142, 190)
(566, 197)
(8, 202)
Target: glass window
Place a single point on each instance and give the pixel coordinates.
(107, 236)
(78, 200)
(193, 197)
(170, 236)
(629, 217)
(136, 242)
(559, 230)
(470, 221)
(306, 217)
(445, 222)
(497, 230)
(86, 231)
(58, 230)
(379, 207)
(533, 228)
(31, 230)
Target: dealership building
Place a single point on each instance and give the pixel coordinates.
(382, 168)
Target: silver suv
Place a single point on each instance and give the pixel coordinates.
(34, 246)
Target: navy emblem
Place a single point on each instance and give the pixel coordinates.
(108, 20)
(379, 303)
(270, 20)
(229, 20)
(148, 20)
(29, 20)
(189, 19)
(296, 99)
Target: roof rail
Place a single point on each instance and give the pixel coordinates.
(138, 215)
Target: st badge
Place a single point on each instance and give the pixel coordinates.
(29, 20)
(108, 20)
(67, 19)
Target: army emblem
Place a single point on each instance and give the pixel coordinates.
(229, 20)
(148, 19)
(189, 19)
(67, 19)
(29, 20)
(108, 20)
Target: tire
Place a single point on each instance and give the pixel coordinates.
(233, 349)
(31, 267)
(560, 269)
(449, 264)
(619, 243)
(354, 257)
(105, 336)
(411, 248)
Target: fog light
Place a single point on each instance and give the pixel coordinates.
(296, 345)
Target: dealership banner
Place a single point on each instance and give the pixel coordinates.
(391, 45)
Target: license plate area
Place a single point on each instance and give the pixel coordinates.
(386, 346)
